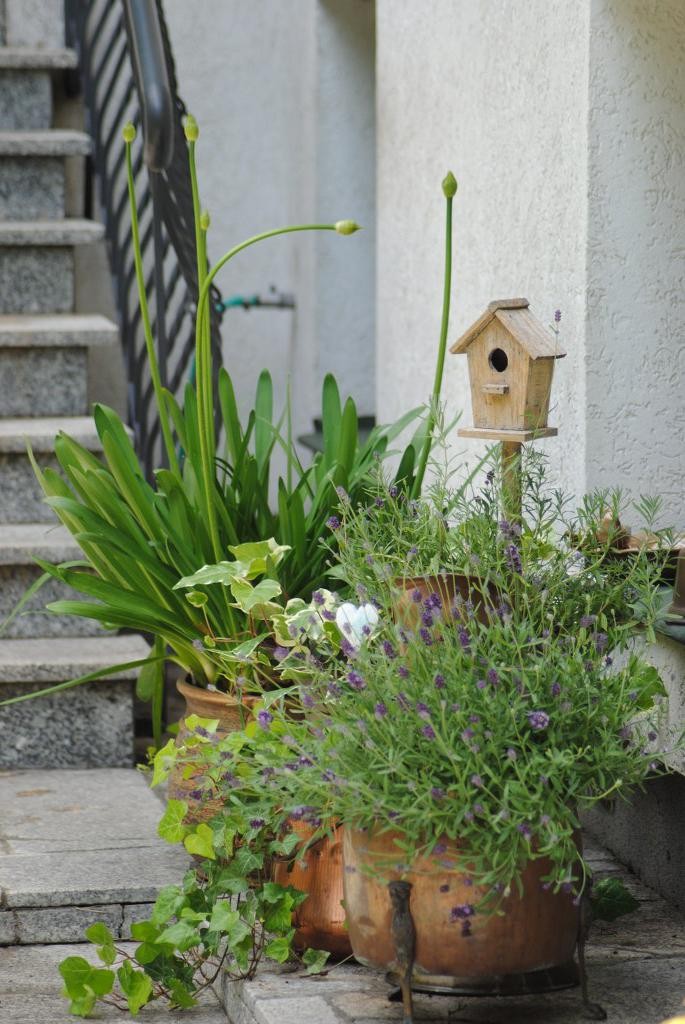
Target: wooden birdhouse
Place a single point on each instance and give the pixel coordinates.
(511, 361)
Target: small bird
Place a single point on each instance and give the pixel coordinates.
(404, 937)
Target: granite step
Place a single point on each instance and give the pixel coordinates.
(37, 263)
(20, 545)
(77, 847)
(32, 172)
(44, 362)
(34, 23)
(89, 725)
(26, 87)
(21, 499)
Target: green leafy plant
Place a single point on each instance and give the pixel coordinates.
(223, 918)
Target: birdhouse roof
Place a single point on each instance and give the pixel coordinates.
(515, 316)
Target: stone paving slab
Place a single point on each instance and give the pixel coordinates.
(30, 989)
(78, 839)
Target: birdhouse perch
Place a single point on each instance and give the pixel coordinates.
(511, 362)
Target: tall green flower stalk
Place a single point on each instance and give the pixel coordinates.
(203, 339)
(449, 190)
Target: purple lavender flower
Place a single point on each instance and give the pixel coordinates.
(333, 523)
(425, 636)
(413, 550)
(307, 700)
(379, 502)
(423, 711)
(525, 830)
(513, 557)
(403, 672)
(464, 638)
(264, 717)
(402, 701)
(511, 754)
(416, 596)
(478, 809)
(355, 680)
(305, 762)
(557, 316)
(440, 848)
(380, 711)
(555, 689)
(476, 780)
(342, 493)
(455, 707)
(434, 601)
(601, 641)
(389, 650)
(587, 621)
(467, 735)
(256, 822)
(437, 793)
(462, 912)
(333, 690)
(492, 676)
(427, 619)
(428, 731)
(480, 684)
(439, 681)
(538, 720)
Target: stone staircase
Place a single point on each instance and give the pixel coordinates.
(44, 347)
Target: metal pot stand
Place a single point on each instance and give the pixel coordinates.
(406, 981)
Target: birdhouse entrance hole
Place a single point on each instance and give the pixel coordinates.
(498, 359)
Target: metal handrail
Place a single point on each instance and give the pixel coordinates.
(152, 78)
(127, 73)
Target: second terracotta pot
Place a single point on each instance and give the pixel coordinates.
(233, 714)
(320, 920)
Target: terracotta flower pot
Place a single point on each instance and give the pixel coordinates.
(454, 944)
(320, 920)
(233, 713)
(449, 586)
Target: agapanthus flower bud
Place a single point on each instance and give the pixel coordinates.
(347, 227)
(449, 186)
(190, 128)
(129, 131)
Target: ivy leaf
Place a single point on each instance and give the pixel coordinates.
(82, 1006)
(201, 842)
(181, 996)
(181, 935)
(279, 916)
(144, 931)
(101, 936)
(610, 899)
(223, 917)
(278, 949)
(101, 981)
(75, 971)
(167, 904)
(171, 827)
(314, 960)
(136, 986)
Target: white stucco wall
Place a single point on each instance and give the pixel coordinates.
(496, 92)
(635, 369)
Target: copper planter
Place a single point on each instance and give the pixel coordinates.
(320, 920)
(233, 714)
(453, 949)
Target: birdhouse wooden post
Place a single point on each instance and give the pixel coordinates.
(511, 362)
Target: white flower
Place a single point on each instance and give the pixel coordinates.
(356, 623)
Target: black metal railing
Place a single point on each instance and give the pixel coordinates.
(127, 73)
